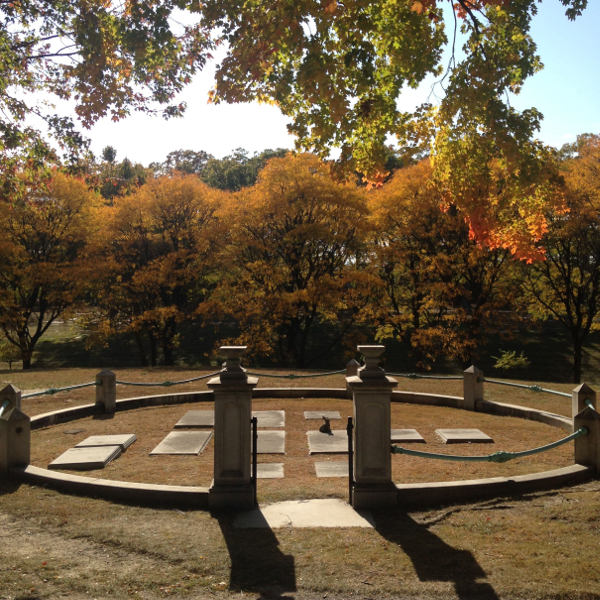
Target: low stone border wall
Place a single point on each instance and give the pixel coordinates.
(408, 494)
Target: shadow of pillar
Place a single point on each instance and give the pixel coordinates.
(433, 559)
(257, 563)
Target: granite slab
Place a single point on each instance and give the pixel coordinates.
(124, 441)
(183, 442)
(464, 436)
(270, 418)
(269, 471)
(407, 436)
(319, 414)
(325, 443)
(331, 469)
(196, 418)
(270, 442)
(86, 459)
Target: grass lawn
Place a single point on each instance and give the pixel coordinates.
(540, 546)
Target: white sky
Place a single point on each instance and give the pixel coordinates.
(567, 92)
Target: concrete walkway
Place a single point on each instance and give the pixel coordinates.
(304, 513)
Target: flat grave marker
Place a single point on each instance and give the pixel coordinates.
(183, 442)
(269, 471)
(407, 436)
(86, 459)
(464, 436)
(124, 441)
(319, 414)
(332, 469)
(270, 442)
(197, 418)
(325, 443)
(270, 418)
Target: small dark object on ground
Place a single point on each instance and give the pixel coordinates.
(326, 427)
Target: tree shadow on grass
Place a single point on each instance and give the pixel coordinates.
(257, 563)
(433, 559)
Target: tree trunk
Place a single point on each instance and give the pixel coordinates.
(26, 355)
(141, 349)
(152, 349)
(577, 352)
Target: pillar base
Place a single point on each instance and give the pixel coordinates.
(240, 497)
(374, 495)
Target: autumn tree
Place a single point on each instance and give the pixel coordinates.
(440, 292)
(187, 162)
(295, 245)
(155, 263)
(566, 284)
(42, 258)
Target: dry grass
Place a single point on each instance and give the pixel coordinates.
(541, 546)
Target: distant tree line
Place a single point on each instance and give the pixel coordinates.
(277, 244)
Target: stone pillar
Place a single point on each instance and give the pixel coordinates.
(580, 394)
(351, 371)
(106, 391)
(15, 432)
(587, 447)
(232, 485)
(472, 387)
(372, 394)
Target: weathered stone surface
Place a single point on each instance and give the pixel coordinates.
(271, 442)
(464, 436)
(183, 442)
(304, 513)
(197, 418)
(331, 469)
(407, 436)
(269, 471)
(73, 431)
(270, 418)
(324, 443)
(319, 414)
(124, 441)
(86, 459)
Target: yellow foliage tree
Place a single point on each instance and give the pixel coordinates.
(156, 262)
(43, 239)
(296, 248)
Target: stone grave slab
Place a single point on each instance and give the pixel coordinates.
(319, 414)
(325, 443)
(464, 436)
(407, 436)
(73, 431)
(86, 459)
(124, 441)
(270, 418)
(183, 442)
(331, 469)
(270, 442)
(197, 418)
(269, 471)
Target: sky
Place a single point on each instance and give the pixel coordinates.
(566, 91)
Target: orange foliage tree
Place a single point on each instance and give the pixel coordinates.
(440, 292)
(566, 285)
(295, 247)
(156, 262)
(43, 239)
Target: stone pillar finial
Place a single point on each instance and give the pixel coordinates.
(232, 367)
(371, 368)
(587, 447)
(15, 439)
(13, 395)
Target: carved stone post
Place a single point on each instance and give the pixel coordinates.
(232, 486)
(351, 371)
(372, 393)
(580, 394)
(15, 431)
(106, 391)
(472, 387)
